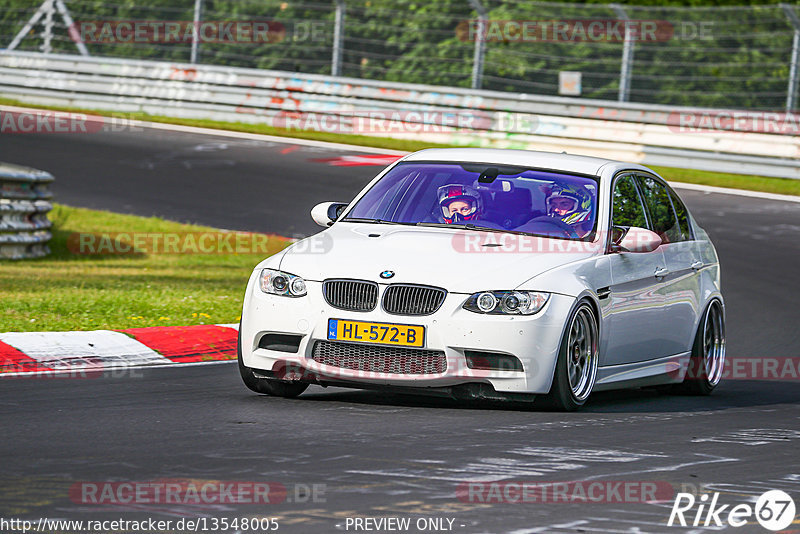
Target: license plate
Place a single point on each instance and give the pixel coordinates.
(380, 333)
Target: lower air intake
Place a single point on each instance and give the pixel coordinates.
(379, 359)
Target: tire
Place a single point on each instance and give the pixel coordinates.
(576, 367)
(267, 386)
(708, 353)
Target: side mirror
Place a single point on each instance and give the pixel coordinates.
(633, 239)
(326, 213)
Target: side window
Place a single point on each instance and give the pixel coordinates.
(627, 209)
(665, 223)
(683, 217)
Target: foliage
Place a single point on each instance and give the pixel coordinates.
(712, 53)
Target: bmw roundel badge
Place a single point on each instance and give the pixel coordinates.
(387, 274)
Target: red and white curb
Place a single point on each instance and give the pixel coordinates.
(35, 353)
(381, 160)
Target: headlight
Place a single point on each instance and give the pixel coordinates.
(279, 283)
(507, 302)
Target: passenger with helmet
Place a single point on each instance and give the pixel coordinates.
(459, 203)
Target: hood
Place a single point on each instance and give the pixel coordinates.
(461, 261)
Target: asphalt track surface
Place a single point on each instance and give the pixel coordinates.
(379, 454)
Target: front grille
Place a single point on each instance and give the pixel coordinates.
(401, 299)
(351, 295)
(379, 359)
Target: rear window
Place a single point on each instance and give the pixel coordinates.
(683, 217)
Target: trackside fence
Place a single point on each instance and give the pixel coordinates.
(746, 142)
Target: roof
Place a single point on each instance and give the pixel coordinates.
(527, 158)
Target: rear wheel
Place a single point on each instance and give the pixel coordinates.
(576, 368)
(267, 386)
(708, 353)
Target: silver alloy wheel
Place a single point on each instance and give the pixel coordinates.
(713, 344)
(582, 354)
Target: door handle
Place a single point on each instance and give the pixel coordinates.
(697, 265)
(661, 272)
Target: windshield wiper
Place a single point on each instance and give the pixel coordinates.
(478, 228)
(375, 221)
(466, 226)
(365, 220)
(445, 225)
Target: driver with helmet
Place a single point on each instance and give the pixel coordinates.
(459, 203)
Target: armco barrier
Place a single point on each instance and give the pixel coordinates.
(648, 134)
(24, 226)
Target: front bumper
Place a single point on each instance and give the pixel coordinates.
(452, 330)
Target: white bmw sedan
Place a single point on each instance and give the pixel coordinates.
(492, 274)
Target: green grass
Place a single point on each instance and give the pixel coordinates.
(783, 186)
(68, 291)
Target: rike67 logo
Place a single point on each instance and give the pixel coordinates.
(773, 510)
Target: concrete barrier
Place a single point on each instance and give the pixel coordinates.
(657, 135)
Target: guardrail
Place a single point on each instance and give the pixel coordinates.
(24, 226)
(649, 134)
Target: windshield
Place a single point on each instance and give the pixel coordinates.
(483, 196)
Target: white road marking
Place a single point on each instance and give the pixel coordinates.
(233, 134)
(753, 436)
(738, 192)
(149, 366)
(373, 150)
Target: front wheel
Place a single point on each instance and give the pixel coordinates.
(576, 368)
(267, 386)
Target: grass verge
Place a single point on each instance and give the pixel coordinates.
(783, 186)
(69, 291)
